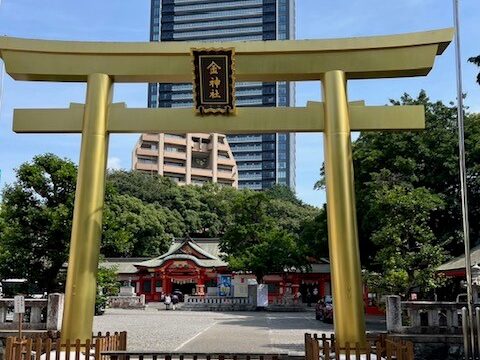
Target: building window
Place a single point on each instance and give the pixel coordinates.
(145, 160)
(174, 149)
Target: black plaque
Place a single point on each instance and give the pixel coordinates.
(214, 81)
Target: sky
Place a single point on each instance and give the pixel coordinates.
(128, 20)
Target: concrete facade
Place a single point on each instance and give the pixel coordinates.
(187, 159)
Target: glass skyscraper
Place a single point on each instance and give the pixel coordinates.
(262, 159)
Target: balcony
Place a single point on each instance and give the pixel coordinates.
(150, 137)
(146, 167)
(222, 174)
(147, 152)
(244, 139)
(225, 161)
(202, 172)
(246, 148)
(174, 140)
(174, 169)
(200, 147)
(250, 177)
(241, 157)
(174, 155)
(250, 167)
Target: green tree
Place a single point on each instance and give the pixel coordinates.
(204, 210)
(426, 159)
(314, 236)
(407, 249)
(476, 60)
(35, 223)
(254, 241)
(107, 285)
(424, 165)
(133, 228)
(275, 252)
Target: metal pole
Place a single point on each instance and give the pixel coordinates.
(463, 172)
(349, 317)
(477, 319)
(466, 346)
(2, 75)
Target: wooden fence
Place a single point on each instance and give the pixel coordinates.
(380, 347)
(48, 349)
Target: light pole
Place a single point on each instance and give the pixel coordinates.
(463, 174)
(2, 71)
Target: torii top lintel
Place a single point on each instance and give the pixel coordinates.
(360, 58)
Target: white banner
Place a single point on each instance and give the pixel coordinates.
(19, 304)
(262, 295)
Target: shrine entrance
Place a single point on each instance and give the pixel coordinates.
(186, 288)
(333, 62)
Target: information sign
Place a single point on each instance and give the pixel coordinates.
(19, 304)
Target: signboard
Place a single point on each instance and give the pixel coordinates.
(224, 284)
(240, 286)
(214, 81)
(19, 304)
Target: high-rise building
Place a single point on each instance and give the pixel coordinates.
(262, 159)
(187, 159)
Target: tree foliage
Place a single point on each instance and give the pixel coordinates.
(408, 195)
(476, 60)
(142, 215)
(264, 232)
(35, 221)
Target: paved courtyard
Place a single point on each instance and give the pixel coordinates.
(192, 331)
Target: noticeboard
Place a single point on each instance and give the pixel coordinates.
(19, 304)
(214, 81)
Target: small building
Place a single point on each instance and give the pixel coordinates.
(456, 266)
(454, 270)
(194, 266)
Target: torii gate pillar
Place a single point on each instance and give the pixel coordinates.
(81, 282)
(341, 213)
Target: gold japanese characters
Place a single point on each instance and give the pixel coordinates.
(214, 81)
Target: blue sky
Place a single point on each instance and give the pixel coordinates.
(128, 20)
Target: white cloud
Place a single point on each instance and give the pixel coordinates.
(113, 163)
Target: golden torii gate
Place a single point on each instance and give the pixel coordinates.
(331, 61)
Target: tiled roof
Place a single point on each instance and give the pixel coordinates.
(458, 263)
(209, 248)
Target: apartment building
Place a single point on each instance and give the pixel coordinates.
(187, 159)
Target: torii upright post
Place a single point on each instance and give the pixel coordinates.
(80, 288)
(341, 212)
(331, 61)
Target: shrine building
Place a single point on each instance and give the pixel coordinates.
(194, 267)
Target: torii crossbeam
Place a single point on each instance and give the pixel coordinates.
(331, 61)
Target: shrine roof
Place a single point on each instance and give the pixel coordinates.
(203, 252)
(122, 265)
(458, 263)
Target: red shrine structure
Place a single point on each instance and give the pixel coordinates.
(195, 267)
